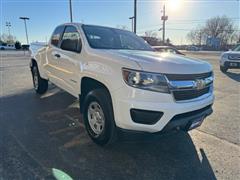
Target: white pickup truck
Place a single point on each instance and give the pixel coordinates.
(7, 47)
(123, 85)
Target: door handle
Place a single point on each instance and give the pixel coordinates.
(57, 55)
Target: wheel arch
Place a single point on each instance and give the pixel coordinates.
(32, 63)
(87, 84)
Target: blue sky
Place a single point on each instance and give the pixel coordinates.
(46, 14)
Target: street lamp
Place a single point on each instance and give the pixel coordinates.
(24, 19)
(132, 18)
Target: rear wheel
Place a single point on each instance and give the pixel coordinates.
(40, 85)
(98, 117)
(223, 69)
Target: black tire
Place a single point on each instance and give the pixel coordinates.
(40, 85)
(2, 48)
(223, 69)
(103, 99)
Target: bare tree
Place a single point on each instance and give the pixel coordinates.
(220, 27)
(196, 36)
(151, 34)
(216, 27)
(151, 38)
(8, 39)
(235, 38)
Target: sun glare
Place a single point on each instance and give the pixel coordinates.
(174, 4)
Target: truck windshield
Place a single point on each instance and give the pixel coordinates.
(109, 38)
(237, 48)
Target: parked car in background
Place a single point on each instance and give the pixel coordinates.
(167, 49)
(25, 47)
(230, 59)
(122, 83)
(192, 48)
(7, 47)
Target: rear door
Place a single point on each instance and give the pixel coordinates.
(53, 56)
(70, 59)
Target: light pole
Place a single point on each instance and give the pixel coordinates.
(8, 24)
(24, 19)
(70, 8)
(164, 18)
(132, 18)
(135, 16)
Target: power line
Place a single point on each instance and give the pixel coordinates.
(177, 23)
(177, 29)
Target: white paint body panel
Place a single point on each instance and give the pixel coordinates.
(106, 67)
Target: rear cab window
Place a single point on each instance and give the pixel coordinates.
(71, 38)
(56, 36)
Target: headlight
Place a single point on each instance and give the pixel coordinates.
(225, 56)
(145, 80)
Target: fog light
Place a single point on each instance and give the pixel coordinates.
(145, 117)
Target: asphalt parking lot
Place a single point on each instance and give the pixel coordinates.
(39, 133)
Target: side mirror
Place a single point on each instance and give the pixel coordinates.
(71, 45)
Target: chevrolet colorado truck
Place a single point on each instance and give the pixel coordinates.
(122, 83)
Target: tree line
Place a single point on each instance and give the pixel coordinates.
(10, 39)
(219, 27)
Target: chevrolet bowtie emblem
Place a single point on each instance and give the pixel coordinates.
(200, 84)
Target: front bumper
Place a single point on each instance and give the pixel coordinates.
(174, 125)
(230, 64)
(128, 98)
(189, 120)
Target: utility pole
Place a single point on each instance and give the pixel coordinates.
(8, 24)
(164, 18)
(135, 16)
(132, 18)
(25, 23)
(70, 7)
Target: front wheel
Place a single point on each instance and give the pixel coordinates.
(98, 117)
(40, 85)
(223, 69)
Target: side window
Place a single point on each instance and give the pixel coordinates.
(57, 35)
(71, 40)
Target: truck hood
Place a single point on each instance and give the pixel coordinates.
(163, 62)
(232, 52)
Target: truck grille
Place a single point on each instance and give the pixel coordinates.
(189, 94)
(189, 86)
(179, 77)
(234, 57)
